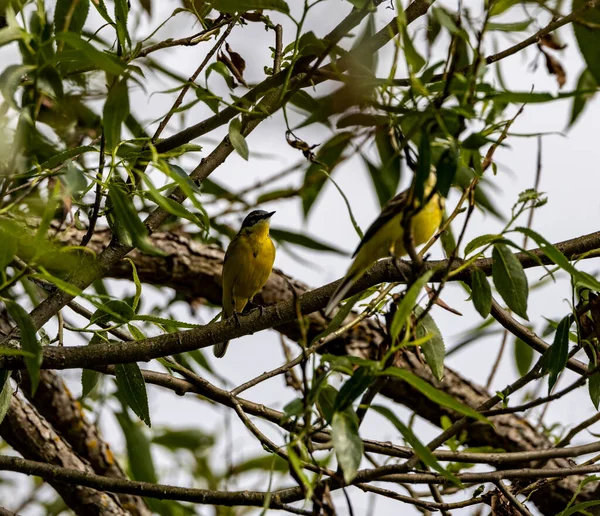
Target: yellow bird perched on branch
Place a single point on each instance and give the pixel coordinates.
(385, 237)
(248, 263)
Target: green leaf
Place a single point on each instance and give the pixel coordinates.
(329, 155)
(138, 449)
(586, 83)
(413, 58)
(126, 222)
(435, 395)
(133, 388)
(481, 292)
(70, 15)
(114, 310)
(594, 388)
(262, 463)
(384, 179)
(558, 353)
(10, 80)
(587, 38)
(15, 352)
(184, 439)
(434, 349)
(6, 393)
(424, 453)
(283, 235)
(325, 401)
(121, 13)
(29, 341)
(169, 205)
(8, 249)
(99, 59)
(89, 380)
(240, 6)
(116, 109)
(510, 27)
(523, 357)
(341, 315)
(423, 165)
(554, 254)
(502, 5)
(481, 241)
(62, 157)
(407, 304)
(237, 138)
(446, 169)
(579, 508)
(358, 383)
(510, 280)
(391, 166)
(347, 443)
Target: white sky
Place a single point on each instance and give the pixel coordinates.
(570, 165)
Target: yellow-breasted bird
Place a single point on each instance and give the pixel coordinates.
(385, 237)
(248, 263)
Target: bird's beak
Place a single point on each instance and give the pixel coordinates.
(269, 215)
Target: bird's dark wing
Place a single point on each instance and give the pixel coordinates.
(394, 206)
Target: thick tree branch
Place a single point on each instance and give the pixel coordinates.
(285, 312)
(35, 439)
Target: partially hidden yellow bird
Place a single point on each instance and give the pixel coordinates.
(385, 236)
(248, 263)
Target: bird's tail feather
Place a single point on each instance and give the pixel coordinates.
(220, 349)
(342, 289)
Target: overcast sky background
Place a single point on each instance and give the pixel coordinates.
(569, 178)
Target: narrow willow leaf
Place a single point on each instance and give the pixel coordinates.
(523, 357)
(434, 349)
(353, 388)
(296, 464)
(6, 393)
(8, 249)
(588, 38)
(558, 353)
(407, 304)
(127, 223)
(138, 449)
(587, 84)
(423, 165)
(435, 395)
(29, 341)
(554, 254)
(424, 453)
(347, 443)
(99, 59)
(133, 388)
(89, 380)
(70, 15)
(237, 138)
(116, 109)
(481, 241)
(481, 292)
(446, 169)
(115, 310)
(510, 280)
(594, 388)
(292, 237)
(240, 6)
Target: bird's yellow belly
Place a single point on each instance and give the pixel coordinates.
(390, 238)
(255, 271)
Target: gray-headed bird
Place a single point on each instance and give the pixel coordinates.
(385, 237)
(248, 263)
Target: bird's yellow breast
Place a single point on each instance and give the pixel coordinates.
(389, 240)
(248, 264)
